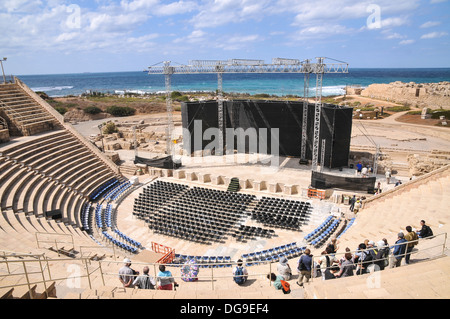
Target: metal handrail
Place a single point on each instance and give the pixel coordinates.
(212, 276)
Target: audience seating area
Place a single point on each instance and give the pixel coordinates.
(200, 214)
(273, 254)
(282, 213)
(48, 172)
(319, 235)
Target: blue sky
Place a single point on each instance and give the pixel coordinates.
(58, 36)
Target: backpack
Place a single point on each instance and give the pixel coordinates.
(286, 287)
(367, 259)
(238, 276)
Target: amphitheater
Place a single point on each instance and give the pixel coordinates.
(69, 217)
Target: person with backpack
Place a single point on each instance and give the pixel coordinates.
(363, 258)
(240, 273)
(412, 238)
(425, 231)
(304, 266)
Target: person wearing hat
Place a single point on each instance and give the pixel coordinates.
(284, 269)
(399, 250)
(126, 274)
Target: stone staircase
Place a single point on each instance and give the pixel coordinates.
(23, 114)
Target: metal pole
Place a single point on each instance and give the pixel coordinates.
(101, 271)
(7, 264)
(88, 275)
(305, 112)
(3, 71)
(43, 276)
(220, 110)
(212, 277)
(28, 280)
(317, 111)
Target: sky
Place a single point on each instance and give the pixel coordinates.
(75, 36)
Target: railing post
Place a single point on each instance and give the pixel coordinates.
(212, 277)
(88, 274)
(28, 280)
(43, 276)
(7, 264)
(443, 245)
(101, 271)
(270, 272)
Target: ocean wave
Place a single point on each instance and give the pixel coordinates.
(52, 88)
(331, 90)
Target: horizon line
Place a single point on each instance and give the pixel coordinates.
(143, 71)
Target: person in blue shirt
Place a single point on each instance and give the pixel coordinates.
(359, 167)
(304, 266)
(399, 250)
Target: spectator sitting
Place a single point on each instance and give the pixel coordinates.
(165, 279)
(240, 273)
(381, 255)
(284, 269)
(276, 280)
(330, 273)
(145, 281)
(347, 267)
(425, 231)
(126, 274)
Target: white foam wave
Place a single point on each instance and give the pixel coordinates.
(52, 88)
(332, 90)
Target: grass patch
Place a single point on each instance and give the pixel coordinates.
(436, 114)
(398, 108)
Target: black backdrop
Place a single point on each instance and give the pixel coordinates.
(335, 126)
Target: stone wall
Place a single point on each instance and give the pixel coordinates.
(432, 95)
(4, 135)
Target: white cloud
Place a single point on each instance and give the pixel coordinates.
(221, 12)
(394, 36)
(406, 42)
(434, 35)
(430, 24)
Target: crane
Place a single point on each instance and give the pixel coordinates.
(278, 65)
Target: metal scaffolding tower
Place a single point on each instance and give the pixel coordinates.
(278, 65)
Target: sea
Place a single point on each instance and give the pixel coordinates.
(57, 85)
